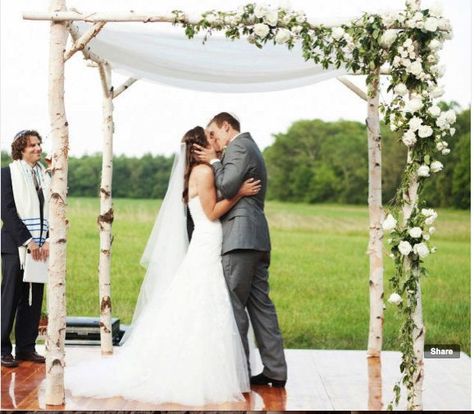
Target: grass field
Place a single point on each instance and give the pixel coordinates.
(318, 273)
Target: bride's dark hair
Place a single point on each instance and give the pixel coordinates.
(193, 136)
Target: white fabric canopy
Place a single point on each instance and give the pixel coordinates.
(219, 65)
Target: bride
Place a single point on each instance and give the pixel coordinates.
(183, 345)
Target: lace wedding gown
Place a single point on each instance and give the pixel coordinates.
(185, 347)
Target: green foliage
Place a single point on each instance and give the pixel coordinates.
(317, 161)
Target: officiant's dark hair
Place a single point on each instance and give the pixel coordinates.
(219, 119)
(20, 142)
(193, 136)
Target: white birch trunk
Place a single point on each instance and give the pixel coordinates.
(410, 199)
(106, 216)
(375, 224)
(57, 214)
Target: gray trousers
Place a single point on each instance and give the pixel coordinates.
(246, 274)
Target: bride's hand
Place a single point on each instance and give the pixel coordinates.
(250, 187)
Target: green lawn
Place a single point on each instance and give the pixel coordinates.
(318, 273)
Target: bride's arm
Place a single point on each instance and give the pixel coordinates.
(207, 193)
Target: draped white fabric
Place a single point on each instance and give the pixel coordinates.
(219, 65)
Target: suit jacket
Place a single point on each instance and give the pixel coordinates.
(245, 225)
(14, 232)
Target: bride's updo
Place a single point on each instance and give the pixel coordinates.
(193, 136)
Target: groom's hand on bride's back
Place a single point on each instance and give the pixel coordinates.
(204, 154)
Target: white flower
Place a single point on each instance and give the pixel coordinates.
(414, 104)
(296, 29)
(425, 131)
(301, 17)
(434, 45)
(436, 10)
(388, 18)
(406, 62)
(415, 123)
(421, 249)
(411, 3)
(442, 122)
(426, 236)
(436, 166)
(409, 138)
(400, 89)
(271, 17)
(452, 131)
(430, 215)
(337, 33)
(439, 146)
(389, 223)
(431, 24)
(418, 16)
(446, 151)
(260, 11)
(431, 230)
(395, 298)
(434, 110)
(388, 38)
(282, 36)
(437, 92)
(420, 24)
(415, 232)
(423, 171)
(396, 61)
(392, 256)
(211, 18)
(433, 250)
(411, 23)
(415, 68)
(443, 24)
(261, 30)
(440, 70)
(404, 248)
(450, 116)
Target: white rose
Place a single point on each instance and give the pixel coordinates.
(446, 151)
(450, 116)
(415, 232)
(439, 146)
(434, 45)
(260, 11)
(436, 10)
(282, 36)
(414, 104)
(434, 110)
(420, 24)
(431, 24)
(296, 29)
(411, 23)
(443, 24)
(431, 230)
(426, 236)
(337, 33)
(425, 131)
(301, 17)
(409, 138)
(396, 61)
(421, 249)
(389, 223)
(388, 38)
(211, 18)
(437, 92)
(429, 212)
(395, 298)
(442, 122)
(415, 68)
(404, 248)
(430, 220)
(418, 16)
(400, 89)
(271, 17)
(452, 131)
(436, 166)
(423, 171)
(388, 18)
(415, 123)
(261, 30)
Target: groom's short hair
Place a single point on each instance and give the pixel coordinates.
(222, 117)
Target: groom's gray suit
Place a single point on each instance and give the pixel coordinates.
(246, 252)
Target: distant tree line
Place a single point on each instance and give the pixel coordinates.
(313, 161)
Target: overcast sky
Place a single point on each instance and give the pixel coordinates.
(151, 117)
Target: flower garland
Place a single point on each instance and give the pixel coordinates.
(409, 41)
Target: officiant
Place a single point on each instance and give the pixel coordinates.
(25, 182)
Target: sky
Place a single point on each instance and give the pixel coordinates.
(151, 118)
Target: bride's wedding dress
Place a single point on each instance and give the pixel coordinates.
(185, 347)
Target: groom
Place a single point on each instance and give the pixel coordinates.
(246, 242)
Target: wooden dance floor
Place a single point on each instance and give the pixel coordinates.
(317, 380)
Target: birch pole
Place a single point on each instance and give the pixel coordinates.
(375, 221)
(410, 198)
(106, 216)
(56, 290)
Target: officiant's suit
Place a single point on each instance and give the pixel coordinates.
(246, 252)
(15, 292)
